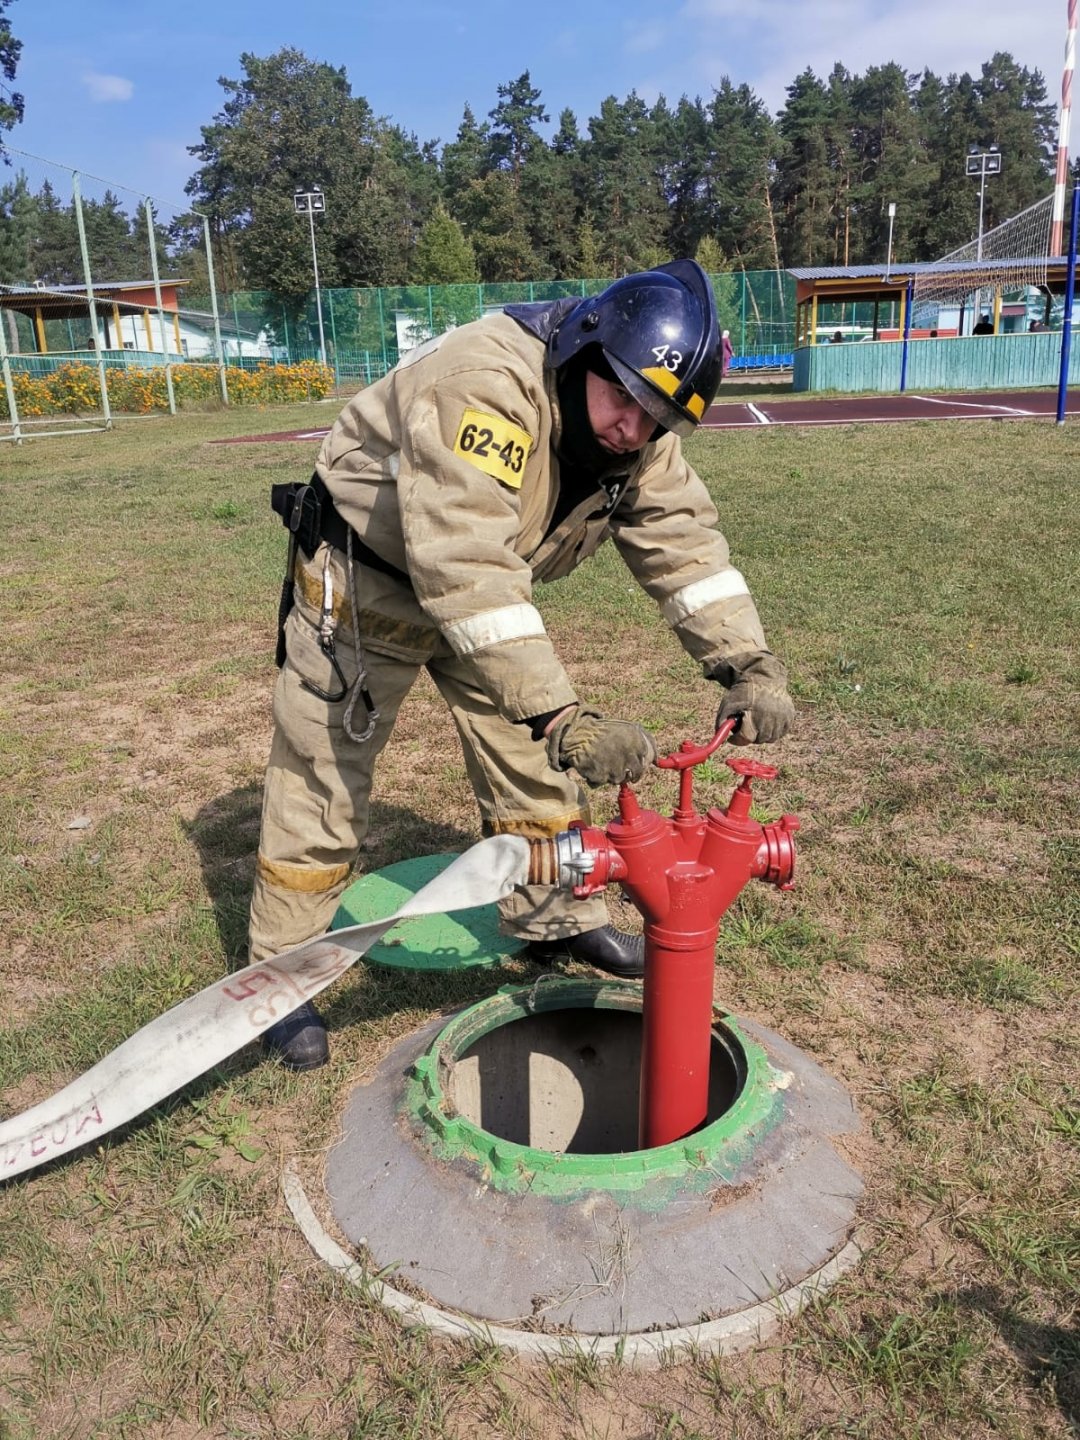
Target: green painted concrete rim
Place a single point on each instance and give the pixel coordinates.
(710, 1156)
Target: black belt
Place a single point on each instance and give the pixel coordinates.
(307, 511)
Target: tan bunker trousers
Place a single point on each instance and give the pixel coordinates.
(318, 783)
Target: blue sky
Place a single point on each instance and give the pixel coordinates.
(119, 89)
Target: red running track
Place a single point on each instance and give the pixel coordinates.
(888, 409)
(849, 410)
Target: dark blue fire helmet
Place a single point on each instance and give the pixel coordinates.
(659, 334)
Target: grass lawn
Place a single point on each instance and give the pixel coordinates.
(920, 580)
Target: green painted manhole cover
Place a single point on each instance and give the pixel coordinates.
(423, 942)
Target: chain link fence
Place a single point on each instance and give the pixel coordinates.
(88, 303)
(363, 333)
(96, 324)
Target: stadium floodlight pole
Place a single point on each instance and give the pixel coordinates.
(309, 202)
(888, 253)
(982, 163)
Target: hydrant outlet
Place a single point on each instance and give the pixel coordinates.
(579, 859)
(776, 858)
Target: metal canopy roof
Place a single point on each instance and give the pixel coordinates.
(71, 302)
(891, 274)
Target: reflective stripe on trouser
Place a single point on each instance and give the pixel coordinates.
(318, 782)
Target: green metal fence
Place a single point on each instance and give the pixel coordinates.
(366, 331)
(39, 365)
(361, 334)
(981, 362)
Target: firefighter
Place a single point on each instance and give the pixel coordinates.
(496, 456)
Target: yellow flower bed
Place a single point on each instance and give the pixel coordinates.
(73, 389)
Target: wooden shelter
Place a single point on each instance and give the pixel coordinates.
(818, 288)
(114, 300)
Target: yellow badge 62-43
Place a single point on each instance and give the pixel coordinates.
(494, 446)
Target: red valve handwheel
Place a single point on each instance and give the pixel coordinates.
(755, 769)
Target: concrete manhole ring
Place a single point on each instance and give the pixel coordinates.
(490, 1162)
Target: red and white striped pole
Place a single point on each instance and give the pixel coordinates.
(1058, 216)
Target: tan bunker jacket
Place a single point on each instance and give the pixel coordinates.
(447, 469)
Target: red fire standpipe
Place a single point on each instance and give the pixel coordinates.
(681, 874)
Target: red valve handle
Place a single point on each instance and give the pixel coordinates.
(689, 754)
(755, 769)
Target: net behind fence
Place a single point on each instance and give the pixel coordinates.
(1011, 257)
(91, 314)
(96, 318)
(365, 332)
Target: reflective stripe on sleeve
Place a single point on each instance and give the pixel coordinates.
(512, 622)
(724, 585)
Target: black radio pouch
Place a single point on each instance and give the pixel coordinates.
(300, 508)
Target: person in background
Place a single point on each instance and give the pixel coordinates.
(496, 456)
(727, 350)
(984, 327)
(838, 338)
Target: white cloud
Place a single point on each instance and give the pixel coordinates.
(766, 43)
(104, 88)
(642, 39)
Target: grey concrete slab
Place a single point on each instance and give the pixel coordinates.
(597, 1262)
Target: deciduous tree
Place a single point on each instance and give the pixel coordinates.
(290, 124)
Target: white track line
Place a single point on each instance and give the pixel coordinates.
(974, 405)
(759, 416)
(882, 420)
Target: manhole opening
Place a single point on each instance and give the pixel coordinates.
(568, 1081)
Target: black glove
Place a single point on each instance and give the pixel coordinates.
(757, 690)
(603, 752)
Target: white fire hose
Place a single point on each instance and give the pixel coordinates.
(207, 1028)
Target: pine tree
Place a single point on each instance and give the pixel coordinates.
(888, 163)
(55, 258)
(1015, 116)
(290, 124)
(710, 256)
(444, 254)
(549, 193)
(108, 240)
(621, 174)
(513, 137)
(742, 145)
(590, 265)
(464, 160)
(18, 222)
(140, 247)
(11, 102)
(491, 215)
(804, 179)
